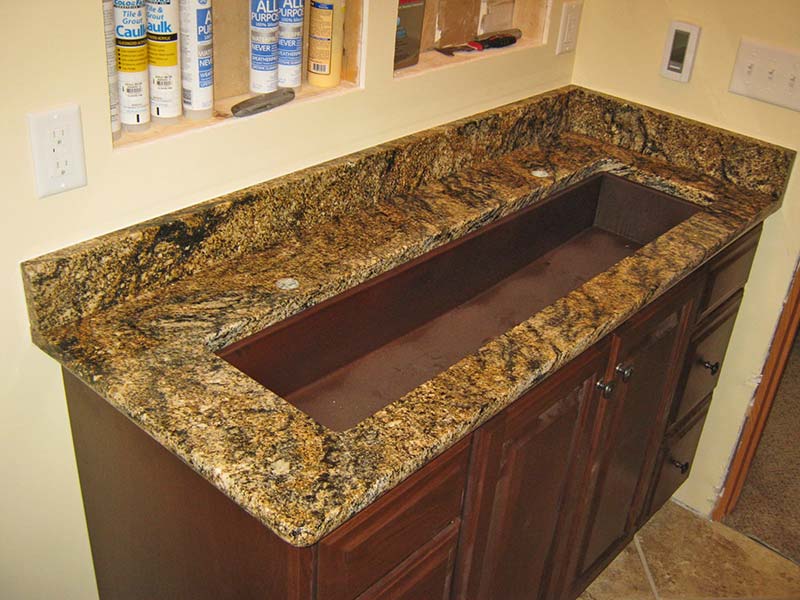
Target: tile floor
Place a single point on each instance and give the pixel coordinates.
(680, 556)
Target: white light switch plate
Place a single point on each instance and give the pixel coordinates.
(570, 21)
(767, 72)
(57, 145)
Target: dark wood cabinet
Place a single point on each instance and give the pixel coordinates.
(705, 357)
(376, 541)
(525, 469)
(532, 505)
(427, 574)
(646, 356)
(675, 461)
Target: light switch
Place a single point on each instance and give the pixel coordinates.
(767, 72)
(679, 51)
(57, 145)
(570, 21)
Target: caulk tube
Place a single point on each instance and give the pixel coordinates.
(130, 30)
(264, 17)
(290, 44)
(111, 67)
(197, 58)
(163, 23)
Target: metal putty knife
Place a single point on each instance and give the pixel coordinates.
(262, 102)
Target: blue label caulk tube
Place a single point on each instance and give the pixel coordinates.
(264, 17)
(197, 58)
(290, 44)
(162, 50)
(130, 30)
(111, 67)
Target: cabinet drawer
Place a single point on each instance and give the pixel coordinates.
(427, 573)
(377, 540)
(705, 356)
(676, 458)
(729, 271)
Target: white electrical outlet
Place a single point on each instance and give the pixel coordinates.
(570, 21)
(57, 144)
(766, 72)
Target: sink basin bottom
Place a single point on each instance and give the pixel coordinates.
(385, 374)
(350, 356)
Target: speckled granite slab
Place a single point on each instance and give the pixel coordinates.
(103, 309)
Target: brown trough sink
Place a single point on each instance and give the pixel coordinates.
(346, 358)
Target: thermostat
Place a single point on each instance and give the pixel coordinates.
(679, 51)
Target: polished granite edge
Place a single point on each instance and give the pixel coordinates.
(68, 284)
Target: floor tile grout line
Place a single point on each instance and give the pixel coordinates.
(646, 568)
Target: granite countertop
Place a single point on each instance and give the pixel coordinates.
(138, 314)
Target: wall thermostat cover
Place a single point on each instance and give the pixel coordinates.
(679, 51)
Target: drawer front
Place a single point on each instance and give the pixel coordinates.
(426, 574)
(377, 540)
(705, 356)
(729, 271)
(675, 462)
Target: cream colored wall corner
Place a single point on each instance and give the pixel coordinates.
(619, 52)
(55, 55)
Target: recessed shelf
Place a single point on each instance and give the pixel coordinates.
(432, 60)
(222, 113)
(231, 68)
(456, 22)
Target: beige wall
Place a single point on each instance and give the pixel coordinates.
(44, 551)
(620, 50)
(57, 58)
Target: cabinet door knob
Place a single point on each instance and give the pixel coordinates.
(683, 467)
(713, 367)
(606, 389)
(625, 372)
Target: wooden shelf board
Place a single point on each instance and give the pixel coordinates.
(222, 113)
(432, 60)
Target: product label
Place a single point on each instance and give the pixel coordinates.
(111, 64)
(290, 43)
(130, 32)
(319, 40)
(162, 32)
(264, 17)
(162, 49)
(197, 54)
(205, 53)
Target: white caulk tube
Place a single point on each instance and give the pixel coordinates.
(290, 44)
(111, 67)
(130, 31)
(163, 23)
(264, 16)
(197, 58)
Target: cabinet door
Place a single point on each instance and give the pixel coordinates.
(425, 574)
(525, 465)
(375, 542)
(647, 352)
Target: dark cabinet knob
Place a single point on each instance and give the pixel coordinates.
(606, 389)
(625, 372)
(713, 367)
(683, 467)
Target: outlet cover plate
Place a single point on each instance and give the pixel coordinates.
(570, 22)
(57, 146)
